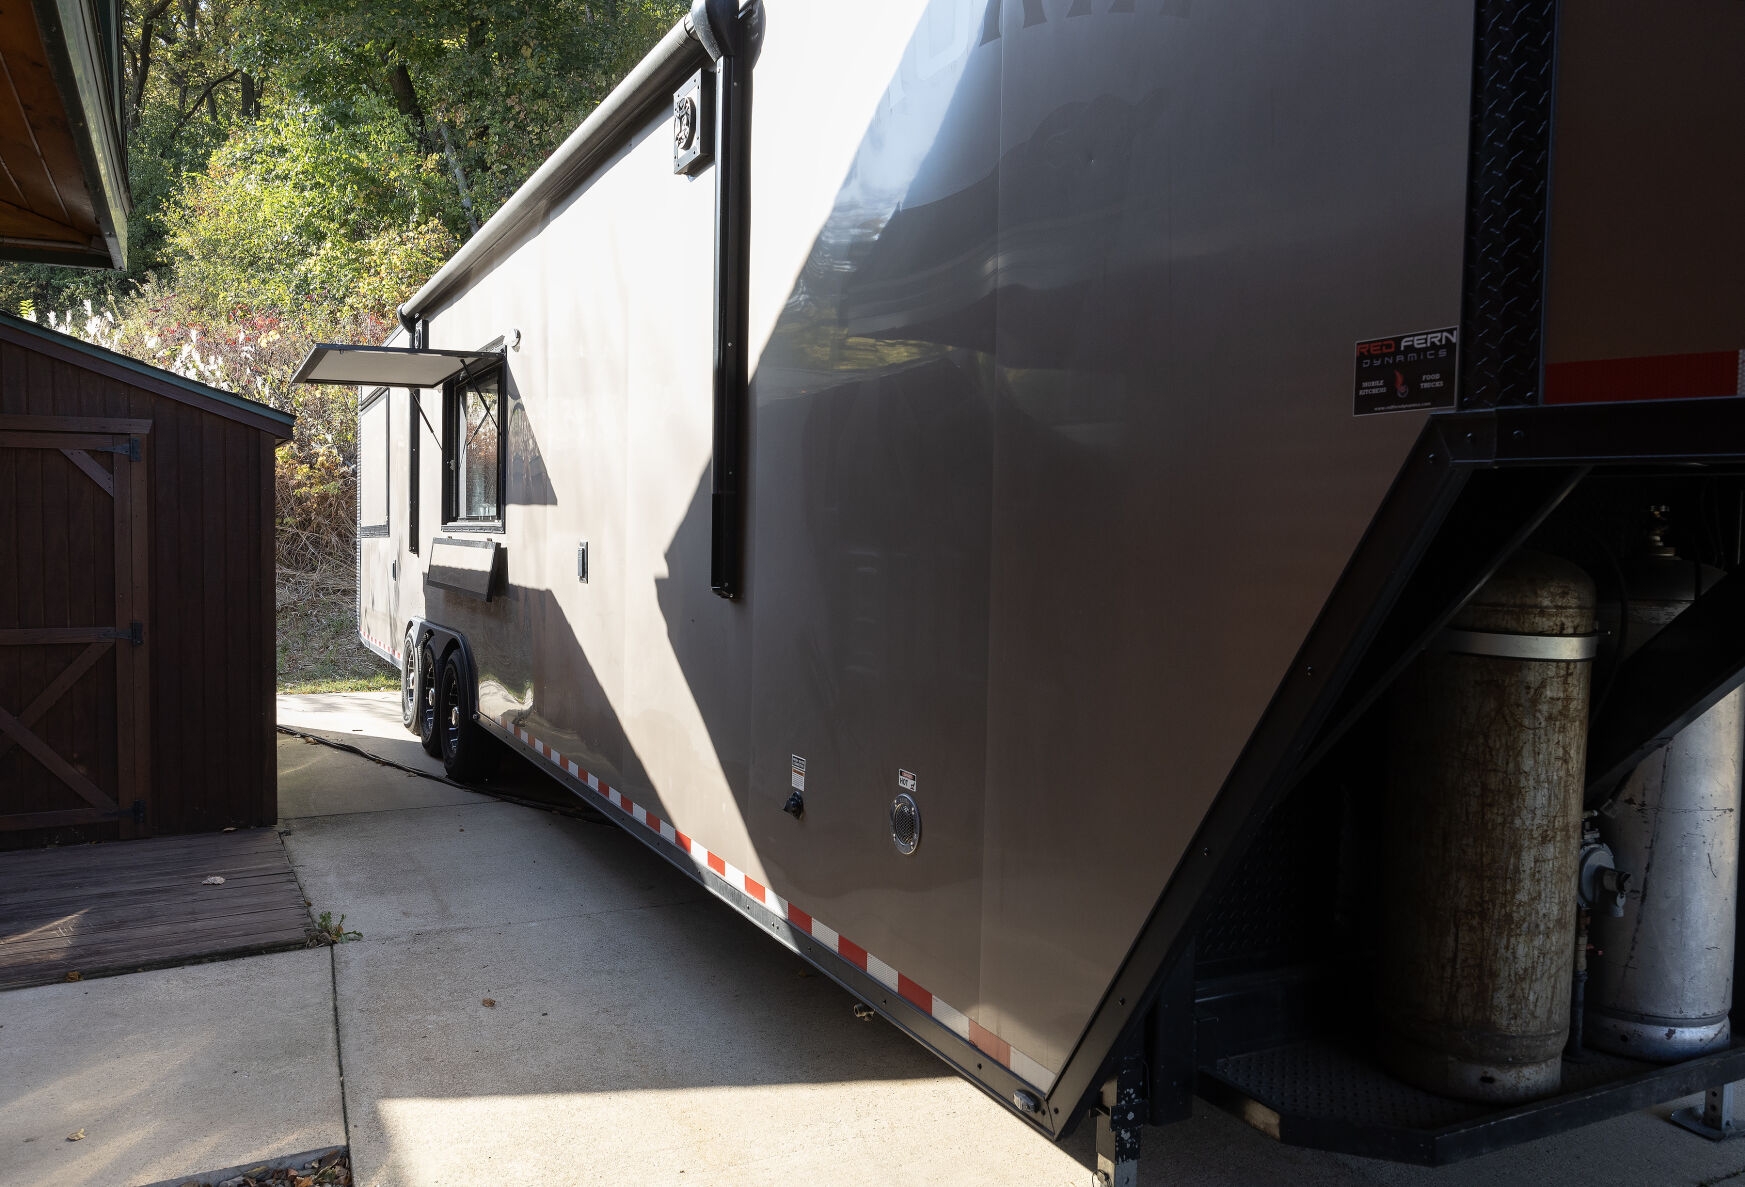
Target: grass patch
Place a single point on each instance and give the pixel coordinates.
(318, 647)
(375, 682)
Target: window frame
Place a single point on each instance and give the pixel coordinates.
(369, 531)
(452, 440)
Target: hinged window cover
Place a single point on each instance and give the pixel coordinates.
(463, 566)
(385, 366)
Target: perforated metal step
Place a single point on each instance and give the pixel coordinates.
(1334, 1096)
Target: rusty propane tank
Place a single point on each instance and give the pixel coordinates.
(1661, 981)
(1483, 823)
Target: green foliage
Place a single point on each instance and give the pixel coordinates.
(252, 351)
(306, 209)
(316, 496)
(506, 82)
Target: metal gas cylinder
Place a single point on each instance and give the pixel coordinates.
(1487, 751)
(1660, 983)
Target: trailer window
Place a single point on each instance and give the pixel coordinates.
(372, 465)
(473, 449)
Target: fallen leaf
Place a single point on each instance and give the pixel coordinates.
(76, 1137)
(489, 1001)
(214, 880)
(228, 829)
(75, 976)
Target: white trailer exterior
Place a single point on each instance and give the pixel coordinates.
(1050, 469)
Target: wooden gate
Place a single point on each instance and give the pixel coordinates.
(74, 726)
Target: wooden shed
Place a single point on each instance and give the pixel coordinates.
(137, 662)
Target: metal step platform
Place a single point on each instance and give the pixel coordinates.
(1333, 1095)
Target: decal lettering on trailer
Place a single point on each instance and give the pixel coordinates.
(717, 867)
(1402, 372)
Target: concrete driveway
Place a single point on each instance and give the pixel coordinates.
(639, 1032)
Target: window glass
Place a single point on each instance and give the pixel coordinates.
(372, 456)
(476, 456)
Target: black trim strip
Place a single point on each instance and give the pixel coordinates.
(730, 37)
(1508, 195)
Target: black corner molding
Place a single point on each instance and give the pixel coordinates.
(1502, 317)
(730, 37)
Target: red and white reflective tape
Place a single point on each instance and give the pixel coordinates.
(961, 1024)
(1651, 377)
(378, 644)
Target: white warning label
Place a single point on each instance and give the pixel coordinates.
(906, 779)
(797, 766)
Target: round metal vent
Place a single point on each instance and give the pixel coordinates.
(905, 823)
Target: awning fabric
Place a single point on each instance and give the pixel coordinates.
(384, 366)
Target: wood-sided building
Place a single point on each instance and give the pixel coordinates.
(137, 642)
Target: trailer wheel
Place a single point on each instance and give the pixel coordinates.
(428, 735)
(411, 668)
(468, 753)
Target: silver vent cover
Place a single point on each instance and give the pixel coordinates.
(905, 823)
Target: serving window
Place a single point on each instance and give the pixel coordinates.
(472, 449)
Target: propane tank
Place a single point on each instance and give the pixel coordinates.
(1483, 825)
(1661, 979)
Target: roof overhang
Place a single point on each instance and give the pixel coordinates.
(64, 196)
(385, 366)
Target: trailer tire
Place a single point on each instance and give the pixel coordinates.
(410, 672)
(429, 736)
(468, 753)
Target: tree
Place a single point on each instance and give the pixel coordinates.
(310, 207)
(494, 88)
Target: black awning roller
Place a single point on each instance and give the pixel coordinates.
(384, 366)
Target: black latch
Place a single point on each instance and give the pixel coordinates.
(796, 805)
(136, 633)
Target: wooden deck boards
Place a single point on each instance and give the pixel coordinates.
(128, 905)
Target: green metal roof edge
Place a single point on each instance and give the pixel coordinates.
(127, 363)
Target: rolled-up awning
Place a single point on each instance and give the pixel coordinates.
(385, 366)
